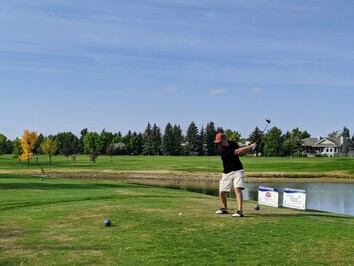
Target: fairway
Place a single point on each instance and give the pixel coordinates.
(60, 222)
(207, 166)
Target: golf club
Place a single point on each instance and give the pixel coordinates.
(260, 136)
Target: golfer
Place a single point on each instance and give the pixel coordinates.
(232, 173)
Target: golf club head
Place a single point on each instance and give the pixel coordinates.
(268, 120)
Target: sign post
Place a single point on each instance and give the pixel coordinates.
(294, 198)
(268, 196)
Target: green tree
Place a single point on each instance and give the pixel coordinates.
(80, 148)
(121, 148)
(232, 135)
(136, 143)
(345, 132)
(209, 137)
(112, 150)
(202, 150)
(3, 144)
(273, 143)
(148, 141)
(92, 145)
(177, 140)
(39, 142)
(156, 139)
(334, 134)
(192, 140)
(106, 139)
(293, 142)
(48, 147)
(66, 143)
(17, 149)
(168, 140)
(126, 141)
(256, 136)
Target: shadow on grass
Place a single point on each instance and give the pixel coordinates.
(312, 213)
(50, 186)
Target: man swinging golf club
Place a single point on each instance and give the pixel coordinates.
(232, 173)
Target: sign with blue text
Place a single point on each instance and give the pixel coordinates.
(294, 198)
(268, 196)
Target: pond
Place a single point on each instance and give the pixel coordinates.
(329, 197)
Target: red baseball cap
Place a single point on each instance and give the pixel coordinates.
(219, 137)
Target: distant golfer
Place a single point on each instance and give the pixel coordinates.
(233, 172)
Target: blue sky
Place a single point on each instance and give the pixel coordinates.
(116, 64)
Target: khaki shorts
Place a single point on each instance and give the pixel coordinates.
(235, 177)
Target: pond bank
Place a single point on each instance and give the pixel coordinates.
(273, 177)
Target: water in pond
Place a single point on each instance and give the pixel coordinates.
(329, 197)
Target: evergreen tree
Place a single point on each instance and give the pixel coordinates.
(192, 140)
(136, 143)
(168, 140)
(148, 141)
(253, 137)
(209, 137)
(156, 139)
(177, 140)
(345, 132)
(202, 146)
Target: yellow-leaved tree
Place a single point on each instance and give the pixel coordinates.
(48, 147)
(28, 142)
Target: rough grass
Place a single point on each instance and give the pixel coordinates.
(60, 222)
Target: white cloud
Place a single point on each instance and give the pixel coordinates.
(256, 90)
(219, 91)
(172, 89)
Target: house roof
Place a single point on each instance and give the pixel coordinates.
(327, 142)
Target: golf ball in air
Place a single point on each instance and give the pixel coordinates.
(180, 214)
(256, 207)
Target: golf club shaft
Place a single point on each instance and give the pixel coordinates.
(260, 136)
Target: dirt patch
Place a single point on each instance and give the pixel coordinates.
(273, 177)
(251, 177)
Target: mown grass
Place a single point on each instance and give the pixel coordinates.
(327, 167)
(60, 222)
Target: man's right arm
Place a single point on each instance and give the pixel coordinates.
(244, 150)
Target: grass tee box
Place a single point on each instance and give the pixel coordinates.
(60, 222)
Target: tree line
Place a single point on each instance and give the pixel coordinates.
(172, 142)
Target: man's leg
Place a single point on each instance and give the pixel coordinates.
(239, 198)
(223, 198)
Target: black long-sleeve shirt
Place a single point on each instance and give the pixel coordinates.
(231, 161)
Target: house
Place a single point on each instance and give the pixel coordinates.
(328, 147)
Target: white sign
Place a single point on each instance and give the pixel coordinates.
(294, 198)
(268, 196)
